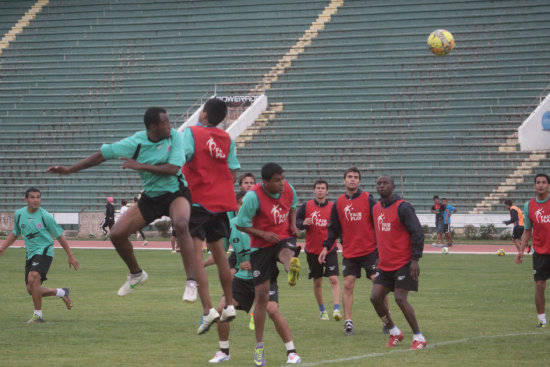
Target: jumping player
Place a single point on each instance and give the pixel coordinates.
(537, 224)
(243, 293)
(400, 245)
(351, 220)
(157, 154)
(211, 163)
(516, 217)
(37, 227)
(314, 216)
(268, 215)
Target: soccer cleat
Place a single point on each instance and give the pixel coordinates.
(251, 324)
(220, 357)
(207, 320)
(336, 315)
(541, 324)
(435, 245)
(449, 244)
(66, 299)
(228, 314)
(394, 340)
(293, 358)
(348, 328)
(145, 243)
(417, 344)
(190, 294)
(259, 357)
(35, 319)
(324, 316)
(131, 283)
(293, 271)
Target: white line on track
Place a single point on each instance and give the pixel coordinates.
(434, 345)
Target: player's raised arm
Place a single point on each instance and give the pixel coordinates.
(90, 161)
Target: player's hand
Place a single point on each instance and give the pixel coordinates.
(271, 237)
(415, 269)
(308, 222)
(519, 258)
(130, 163)
(322, 255)
(295, 231)
(74, 263)
(245, 265)
(60, 170)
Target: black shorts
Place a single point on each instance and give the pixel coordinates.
(328, 269)
(517, 232)
(40, 264)
(232, 259)
(244, 294)
(154, 208)
(400, 279)
(353, 266)
(264, 260)
(208, 226)
(446, 228)
(541, 267)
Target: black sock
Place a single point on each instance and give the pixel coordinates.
(290, 351)
(225, 350)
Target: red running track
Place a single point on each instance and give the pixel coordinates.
(165, 245)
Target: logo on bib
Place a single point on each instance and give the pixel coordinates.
(351, 215)
(382, 226)
(278, 217)
(541, 217)
(215, 151)
(317, 220)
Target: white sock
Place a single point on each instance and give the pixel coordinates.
(290, 345)
(38, 312)
(60, 292)
(395, 331)
(419, 337)
(224, 344)
(542, 317)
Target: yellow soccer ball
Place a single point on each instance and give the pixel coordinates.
(441, 42)
(501, 252)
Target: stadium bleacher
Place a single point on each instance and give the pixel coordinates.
(366, 92)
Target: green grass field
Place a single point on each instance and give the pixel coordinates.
(473, 310)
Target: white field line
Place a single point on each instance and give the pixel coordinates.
(429, 346)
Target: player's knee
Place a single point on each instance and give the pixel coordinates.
(181, 226)
(272, 309)
(333, 281)
(348, 284)
(401, 300)
(262, 296)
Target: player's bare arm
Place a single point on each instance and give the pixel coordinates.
(524, 241)
(268, 236)
(7, 243)
(159, 169)
(90, 161)
(72, 260)
(292, 221)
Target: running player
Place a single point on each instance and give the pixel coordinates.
(351, 220)
(400, 245)
(37, 227)
(516, 217)
(537, 224)
(157, 154)
(243, 293)
(314, 216)
(268, 215)
(210, 168)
